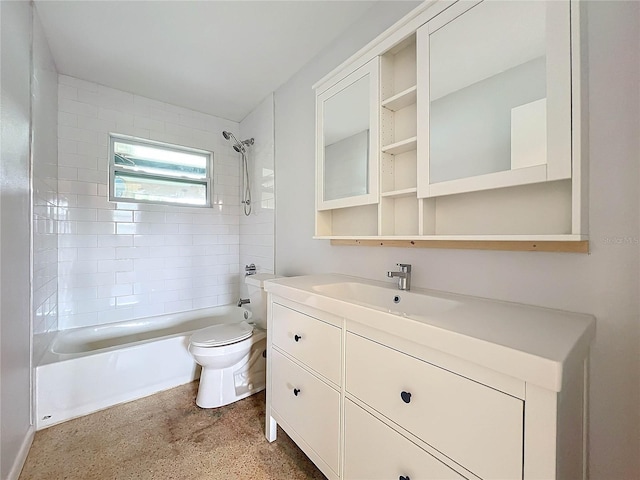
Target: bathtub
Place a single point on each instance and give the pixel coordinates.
(91, 368)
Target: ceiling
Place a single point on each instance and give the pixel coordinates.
(216, 57)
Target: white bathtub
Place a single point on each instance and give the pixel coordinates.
(91, 368)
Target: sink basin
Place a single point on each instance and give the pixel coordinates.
(387, 299)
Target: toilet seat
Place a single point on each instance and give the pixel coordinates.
(222, 334)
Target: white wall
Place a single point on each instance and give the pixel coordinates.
(605, 283)
(119, 261)
(15, 231)
(257, 229)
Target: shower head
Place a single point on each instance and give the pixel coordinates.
(239, 145)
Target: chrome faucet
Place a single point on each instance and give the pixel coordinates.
(250, 269)
(404, 276)
(243, 301)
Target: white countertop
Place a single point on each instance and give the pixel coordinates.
(534, 344)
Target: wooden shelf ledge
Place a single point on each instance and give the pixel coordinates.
(567, 246)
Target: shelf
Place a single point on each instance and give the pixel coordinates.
(401, 147)
(401, 100)
(405, 192)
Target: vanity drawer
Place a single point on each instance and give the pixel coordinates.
(477, 426)
(375, 451)
(311, 341)
(308, 405)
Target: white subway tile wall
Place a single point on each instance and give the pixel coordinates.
(257, 229)
(119, 261)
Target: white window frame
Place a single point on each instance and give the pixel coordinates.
(113, 168)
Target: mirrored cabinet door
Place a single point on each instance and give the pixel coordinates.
(347, 140)
(494, 96)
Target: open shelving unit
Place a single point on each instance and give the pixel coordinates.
(399, 204)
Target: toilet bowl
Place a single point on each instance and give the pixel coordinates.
(232, 355)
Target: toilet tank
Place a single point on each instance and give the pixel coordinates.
(258, 297)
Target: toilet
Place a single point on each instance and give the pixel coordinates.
(233, 355)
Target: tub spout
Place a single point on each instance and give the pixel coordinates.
(243, 301)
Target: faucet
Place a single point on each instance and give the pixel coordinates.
(243, 301)
(250, 269)
(404, 276)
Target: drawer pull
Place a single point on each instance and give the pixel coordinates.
(297, 337)
(402, 477)
(296, 391)
(406, 398)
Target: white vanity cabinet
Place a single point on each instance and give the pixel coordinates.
(421, 385)
(305, 369)
(308, 406)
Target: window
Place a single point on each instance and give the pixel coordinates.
(154, 172)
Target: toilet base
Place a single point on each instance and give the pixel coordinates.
(207, 398)
(219, 387)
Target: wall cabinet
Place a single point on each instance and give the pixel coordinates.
(347, 146)
(478, 132)
(495, 99)
(369, 394)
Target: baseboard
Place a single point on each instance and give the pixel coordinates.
(14, 473)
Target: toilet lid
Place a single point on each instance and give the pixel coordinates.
(222, 334)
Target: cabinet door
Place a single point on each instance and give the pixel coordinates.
(494, 99)
(347, 140)
(309, 340)
(375, 451)
(308, 405)
(474, 425)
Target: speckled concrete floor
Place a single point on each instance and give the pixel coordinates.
(166, 436)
